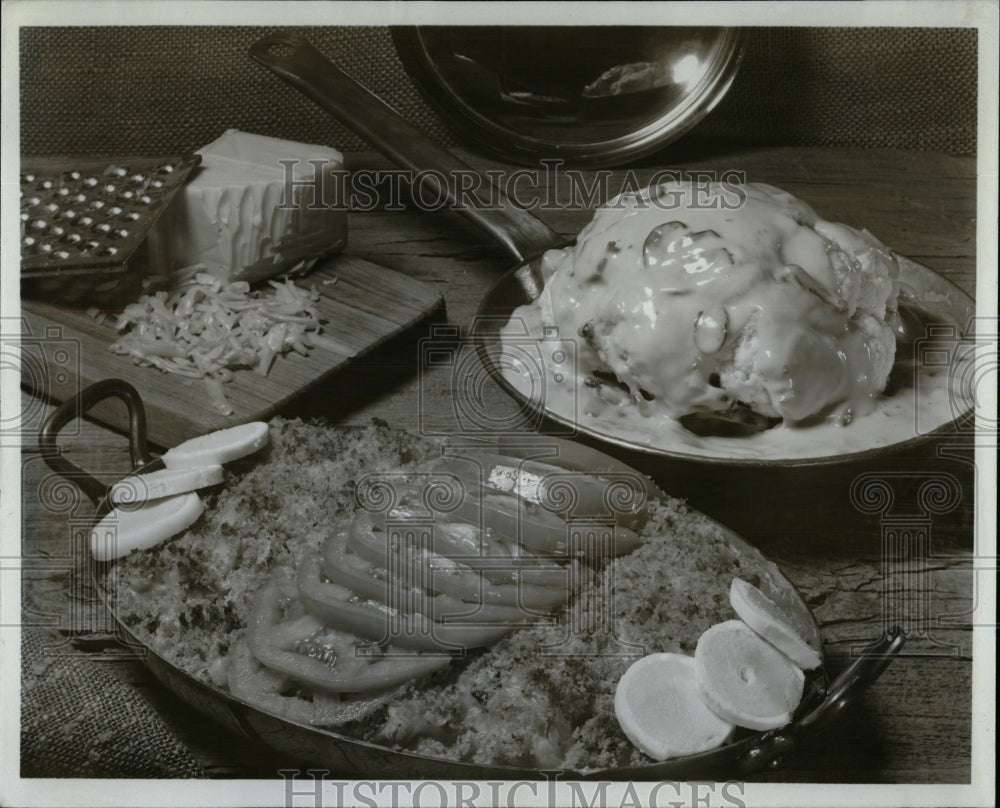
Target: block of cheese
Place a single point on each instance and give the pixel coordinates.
(257, 207)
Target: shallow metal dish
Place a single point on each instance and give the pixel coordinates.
(338, 753)
(940, 313)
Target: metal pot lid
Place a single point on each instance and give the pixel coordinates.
(590, 95)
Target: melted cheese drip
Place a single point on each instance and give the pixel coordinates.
(536, 365)
(697, 308)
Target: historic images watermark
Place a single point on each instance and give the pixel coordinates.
(963, 361)
(906, 531)
(542, 363)
(49, 363)
(960, 364)
(312, 789)
(90, 598)
(551, 187)
(46, 360)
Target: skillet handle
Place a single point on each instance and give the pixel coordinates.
(293, 58)
(855, 680)
(75, 407)
(844, 691)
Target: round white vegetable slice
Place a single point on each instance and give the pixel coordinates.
(744, 679)
(659, 709)
(163, 483)
(765, 617)
(122, 531)
(216, 448)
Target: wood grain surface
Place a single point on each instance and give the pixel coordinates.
(912, 726)
(360, 303)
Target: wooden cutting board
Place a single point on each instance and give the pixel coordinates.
(364, 304)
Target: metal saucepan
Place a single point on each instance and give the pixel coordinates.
(749, 483)
(750, 753)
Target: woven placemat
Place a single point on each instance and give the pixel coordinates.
(160, 90)
(79, 721)
(904, 88)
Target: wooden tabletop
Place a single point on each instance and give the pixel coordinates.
(913, 725)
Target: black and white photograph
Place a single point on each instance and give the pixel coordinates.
(477, 404)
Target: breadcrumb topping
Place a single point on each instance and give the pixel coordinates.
(541, 697)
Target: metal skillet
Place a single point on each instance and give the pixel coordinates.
(747, 753)
(932, 308)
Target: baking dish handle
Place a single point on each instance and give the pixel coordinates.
(844, 691)
(75, 407)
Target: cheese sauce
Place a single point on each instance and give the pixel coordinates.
(663, 311)
(538, 366)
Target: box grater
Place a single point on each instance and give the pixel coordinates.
(82, 223)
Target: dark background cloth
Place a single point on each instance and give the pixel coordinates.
(79, 721)
(164, 90)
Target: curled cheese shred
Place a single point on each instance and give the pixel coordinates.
(209, 328)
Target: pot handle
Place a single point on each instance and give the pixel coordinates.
(845, 690)
(293, 58)
(75, 407)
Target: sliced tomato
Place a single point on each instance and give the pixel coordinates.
(348, 569)
(274, 692)
(299, 646)
(572, 494)
(499, 559)
(542, 531)
(405, 559)
(341, 608)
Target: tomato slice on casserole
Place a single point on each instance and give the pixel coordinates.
(341, 566)
(401, 549)
(498, 558)
(278, 693)
(341, 608)
(292, 642)
(573, 494)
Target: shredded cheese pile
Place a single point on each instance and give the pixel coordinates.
(210, 328)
